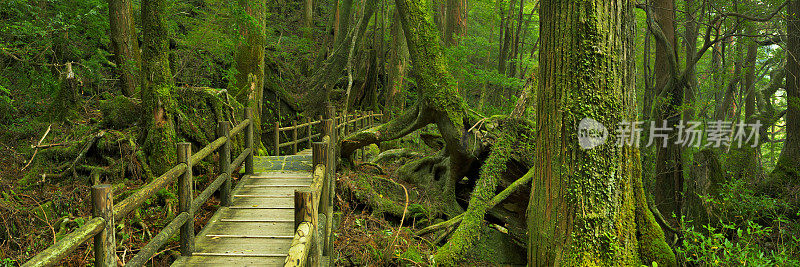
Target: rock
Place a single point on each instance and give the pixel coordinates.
(120, 112)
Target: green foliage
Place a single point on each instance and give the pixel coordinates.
(6, 105)
(7, 263)
(717, 247)
(411, 257)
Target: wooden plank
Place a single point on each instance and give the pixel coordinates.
(270, 191)
(275, 185)
(214, 261)
(243, 245)
(262, 202)
(256, 220)
(251, 236)
(255, 214)
(250, 228)
(279, 181)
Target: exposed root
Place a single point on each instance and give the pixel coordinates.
(408, 122)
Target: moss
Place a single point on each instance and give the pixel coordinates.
(381, 195)
(468, 232)
(120, 112)
(161, 149)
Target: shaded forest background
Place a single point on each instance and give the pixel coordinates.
(91, 91)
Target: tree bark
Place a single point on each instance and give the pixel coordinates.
(456, 21)
(397, 68)
(157, 99)
(308, 13)
(124, 44)
(439, 100)
(669, 164)
(578, 207)
(249, 84)
(787, 170)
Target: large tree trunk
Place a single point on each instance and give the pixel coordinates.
(397, 68)
(456, 21)
(586, 72)
(124, 44)
(249, 86)
(439, 102)
(743, 159)
(787, 170)
(669, 164)
(308, 13)
(157, 99)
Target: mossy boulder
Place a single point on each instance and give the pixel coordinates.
(120, 112)
(496, 248)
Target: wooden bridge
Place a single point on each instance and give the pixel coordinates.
(280, 213)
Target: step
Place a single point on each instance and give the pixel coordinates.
(214, 261)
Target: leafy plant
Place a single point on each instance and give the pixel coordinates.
(717, 247)
(7, 263)
(6, 105)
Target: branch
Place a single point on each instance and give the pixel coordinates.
(36, 150)
(751, 18)
(493, 202)
(661, 38)
(775, 39)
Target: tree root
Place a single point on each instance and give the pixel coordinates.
(408, 122)
(376, 166)
(389, 155)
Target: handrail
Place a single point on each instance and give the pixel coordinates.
(101, 225)
(346, 123)
(67, 244)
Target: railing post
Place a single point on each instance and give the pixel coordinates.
(363, 126)
(248, 163)
(308, 127)
(224, 129)
(277, 137)
(319, 153)
(330, 181)
(362, 121)
(294, 136)
(185, 183)
(105, 250)
(345, 122)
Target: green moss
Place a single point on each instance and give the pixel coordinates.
(120, 112)
(381, 195)
(161, 149)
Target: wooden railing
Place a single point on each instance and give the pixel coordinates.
(346, 125)
(104, 212)
(313, 206)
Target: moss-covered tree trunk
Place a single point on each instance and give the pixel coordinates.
(583, 202)
(249, 86)
(124, 44)
(788, 167)
(668, 179)
(397, 68)
(455, 21)
(157, 99)
(439, 101)
(743, 159)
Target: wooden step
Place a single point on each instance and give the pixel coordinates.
(243, 246)
(251, 229)
(255, 214)
(214, 261)
(256, 201)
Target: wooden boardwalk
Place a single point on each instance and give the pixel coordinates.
(257, 229)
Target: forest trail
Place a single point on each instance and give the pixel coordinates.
(257, 229)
